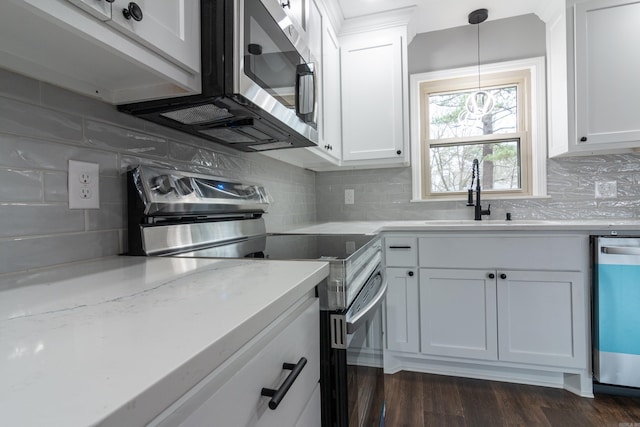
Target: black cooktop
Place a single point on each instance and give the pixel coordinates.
(287, 247)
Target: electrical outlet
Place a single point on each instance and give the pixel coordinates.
(606, 189)
(349, 196)
(84, 185)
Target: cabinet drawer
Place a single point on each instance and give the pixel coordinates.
(401, 251)
(238, 401)
(514, 251)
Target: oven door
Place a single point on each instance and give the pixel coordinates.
(352, 372)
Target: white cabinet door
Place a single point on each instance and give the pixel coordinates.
(169, 27)
(541, 317)
(330, 125)
(402, 310)
(458, 313)
(373, 86)
(100, 9)
(607, 36)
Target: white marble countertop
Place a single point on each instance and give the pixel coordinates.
(373, 227)
(120, 338)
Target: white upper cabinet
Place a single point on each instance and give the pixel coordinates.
(374, 97)
(607, 36)
(169, 27)
(330, 125)
(363, 94)
(596, 52)
(88, 46)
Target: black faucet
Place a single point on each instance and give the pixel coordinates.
(475, 178)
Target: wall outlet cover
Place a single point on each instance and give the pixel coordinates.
(84, 185)
(606, 189)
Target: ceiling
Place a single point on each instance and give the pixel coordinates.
(435, 15)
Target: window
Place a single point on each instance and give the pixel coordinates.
(508, 141)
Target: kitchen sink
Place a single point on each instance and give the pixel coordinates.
(461, 222)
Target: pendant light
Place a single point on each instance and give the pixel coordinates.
(480, 102)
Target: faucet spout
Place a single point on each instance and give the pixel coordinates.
(475, 179)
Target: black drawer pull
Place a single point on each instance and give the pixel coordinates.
(277, 395)
(399, 247)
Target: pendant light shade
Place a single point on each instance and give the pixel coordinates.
(480, 102)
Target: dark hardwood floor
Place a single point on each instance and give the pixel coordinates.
(415, 400)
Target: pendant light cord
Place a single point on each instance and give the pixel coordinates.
(479, 86)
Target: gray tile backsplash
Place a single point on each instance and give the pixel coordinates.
(385, 194)
(42, 127)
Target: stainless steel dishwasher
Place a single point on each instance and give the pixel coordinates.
(616, 322)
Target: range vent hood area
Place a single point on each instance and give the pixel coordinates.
(258, 82)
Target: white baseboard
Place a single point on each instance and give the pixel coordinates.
(576, 382)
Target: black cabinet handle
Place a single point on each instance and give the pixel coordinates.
(287, 4)
(133, 11)
(410, 274)
(399, 247)
(277, 395)
(503, 276)
(492, 276)
(399, 152)
(583, 139)
(109, 1)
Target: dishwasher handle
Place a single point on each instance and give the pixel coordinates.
(620, 250)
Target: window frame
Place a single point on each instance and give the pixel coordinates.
(532, 113)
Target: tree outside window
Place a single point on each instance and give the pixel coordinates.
(452, 138)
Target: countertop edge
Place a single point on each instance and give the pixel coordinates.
(178, 382)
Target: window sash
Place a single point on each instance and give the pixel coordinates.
(525, 172)
(519, 78)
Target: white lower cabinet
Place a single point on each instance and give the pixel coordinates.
(505, 306)
(231, 395)
(402, 309)
(458, 313)
(540, 317)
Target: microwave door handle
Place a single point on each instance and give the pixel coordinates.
(304, 92)
(354, 323)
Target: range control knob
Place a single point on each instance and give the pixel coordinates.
(162, 184)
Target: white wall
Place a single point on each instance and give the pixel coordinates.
(43, 126)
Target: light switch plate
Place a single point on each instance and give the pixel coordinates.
(84, 185)
(349, 196)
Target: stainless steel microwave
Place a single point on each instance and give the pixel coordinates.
(258, 81)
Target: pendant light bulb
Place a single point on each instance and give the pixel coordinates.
(480, 102)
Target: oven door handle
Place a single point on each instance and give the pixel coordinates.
(355, 322)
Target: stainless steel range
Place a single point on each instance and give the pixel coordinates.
(184, 214)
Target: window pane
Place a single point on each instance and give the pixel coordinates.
(448, 116)
(499, 166)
